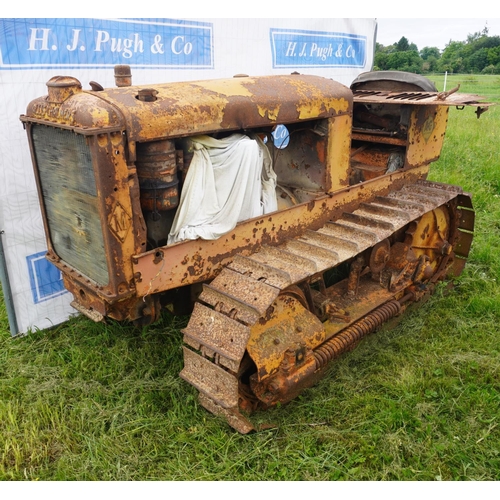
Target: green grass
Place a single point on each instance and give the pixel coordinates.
(420, 401)
(485, 85)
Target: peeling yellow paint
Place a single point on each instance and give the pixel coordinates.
(230, 87)
(312, 108)
(272, 114)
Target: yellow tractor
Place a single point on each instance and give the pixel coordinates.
(289, 215)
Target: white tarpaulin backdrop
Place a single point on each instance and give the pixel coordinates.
(33, 50)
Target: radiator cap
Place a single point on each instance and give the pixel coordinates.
(62, 87)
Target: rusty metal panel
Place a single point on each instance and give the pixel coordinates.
(465, 200)
(71, 107)
(301, 164)
(418, 196)
(322, 257)
(200, 107)
(322, 238)
(228, 305)
(353, 239)
(403, 205)
(338, 154)
(297, 267)
(210, 379)
(372, 222)
(259, 271)
(290, 326)
(234, 418)
(467, 219)
(462, 246)
(384, 212)
(215, 330)
(417, 98)
(241, 288)
(426, 134)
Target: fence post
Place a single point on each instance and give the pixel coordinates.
(7, 292)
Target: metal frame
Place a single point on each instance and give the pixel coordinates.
(7, 291)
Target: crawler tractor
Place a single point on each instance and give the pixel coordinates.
(290, 216)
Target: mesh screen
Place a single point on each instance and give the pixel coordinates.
(70, 198)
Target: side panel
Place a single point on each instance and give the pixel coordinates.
(426, 134)
(339, 148)
(196, 261)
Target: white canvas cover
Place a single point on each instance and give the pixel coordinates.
(229, 180)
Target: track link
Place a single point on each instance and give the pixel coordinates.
(241, 296)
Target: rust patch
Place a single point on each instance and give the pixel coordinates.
(425, 232)
(197, 267)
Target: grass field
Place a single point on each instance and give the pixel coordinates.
(86, 401)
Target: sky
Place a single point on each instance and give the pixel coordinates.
(433, 32)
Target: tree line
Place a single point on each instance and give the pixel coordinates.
(480, 53)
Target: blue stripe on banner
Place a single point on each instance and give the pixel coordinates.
(317, 49)
(45, 279)
(98, 43)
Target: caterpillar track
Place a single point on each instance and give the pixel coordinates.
(270, 323)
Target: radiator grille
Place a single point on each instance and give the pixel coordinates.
(70, 199)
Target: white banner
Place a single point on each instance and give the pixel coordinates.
(33, 50)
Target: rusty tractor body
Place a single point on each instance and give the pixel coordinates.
(357, 236)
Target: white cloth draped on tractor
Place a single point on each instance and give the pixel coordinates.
(229, 180)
